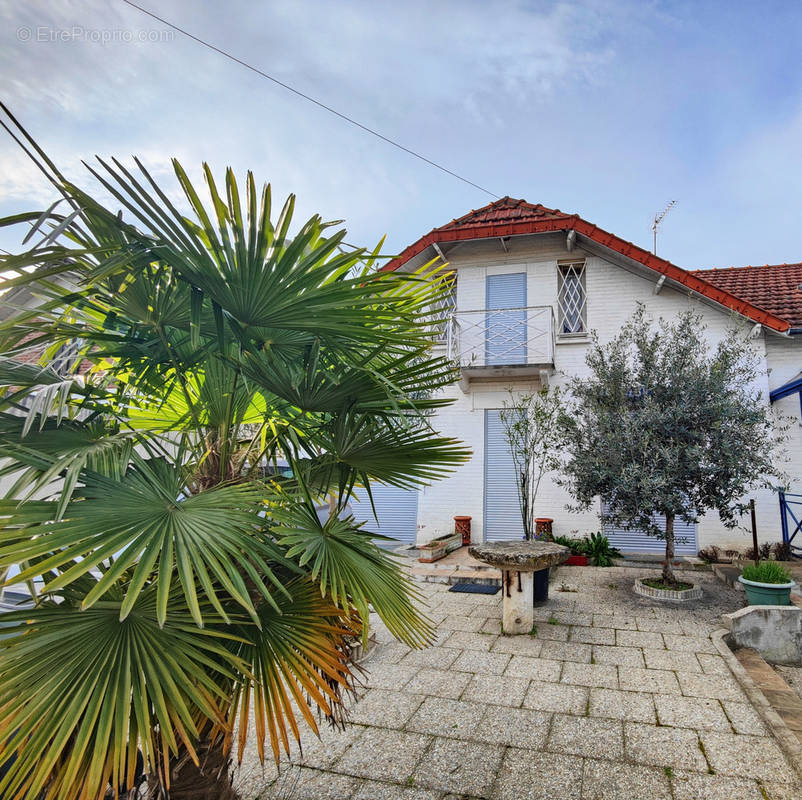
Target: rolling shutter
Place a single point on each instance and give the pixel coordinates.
(502, 518)
(505, 330)
(396, 509)
(636, 541)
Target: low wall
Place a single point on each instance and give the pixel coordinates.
(774, 631)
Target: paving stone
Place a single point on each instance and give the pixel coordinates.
(321, 752)
(586, 736)
(488, 611)
(613, 621)
(385, 708)
(556, 697)
(603, 780)
(519, 727)
(373, 790)
(566, 651)
(452, 766)
(744, 718)
(433, 657)
(713, 665)
(525, 775)
(441, 717)
(492, 625)
(689, 644)
(540, 669)
(623, 656)
(638, 639)
(631, 706)
(693, 786)
(574, 618)
(592, 635)
(677, 748)
(464, 640)
(388, 676)
(310, 784)
(551, 633)
(657, 681)
(389, 653)
(721, 687)
(601, 675)
(461, 622)
(383, 755)
(691, 712)
(782, 791)
(481, 663)
(657, 625)
(438, 683)
(671, 660)
(748, 756)
(518, 645)
(503, 691)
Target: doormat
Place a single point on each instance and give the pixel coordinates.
(474, 588)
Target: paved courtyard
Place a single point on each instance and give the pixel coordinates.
(613, 696)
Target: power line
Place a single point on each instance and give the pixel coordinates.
(289, 88)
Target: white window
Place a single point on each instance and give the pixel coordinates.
(572, 298)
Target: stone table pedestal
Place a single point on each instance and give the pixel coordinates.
(518, 560)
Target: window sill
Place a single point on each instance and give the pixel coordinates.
(572, 338)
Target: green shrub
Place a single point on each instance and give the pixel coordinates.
(576, 546)
(598, 549)
(766, 572)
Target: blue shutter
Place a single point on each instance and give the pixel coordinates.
(502, 518)
(636, 541)
(505, 329)
(396, 509)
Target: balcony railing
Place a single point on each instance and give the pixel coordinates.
(488, 339)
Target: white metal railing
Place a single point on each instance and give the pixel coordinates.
(501, 337)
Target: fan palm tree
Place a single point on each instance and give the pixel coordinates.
(226, 381)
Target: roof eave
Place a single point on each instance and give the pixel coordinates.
(609, 240)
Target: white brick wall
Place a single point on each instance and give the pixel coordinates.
(613, 292)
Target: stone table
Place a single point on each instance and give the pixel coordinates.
(518, 561)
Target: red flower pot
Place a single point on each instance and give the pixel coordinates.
(577, 561)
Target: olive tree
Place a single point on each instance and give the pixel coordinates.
(531, 426)
(666, 425)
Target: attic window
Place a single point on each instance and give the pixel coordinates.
(572, 298)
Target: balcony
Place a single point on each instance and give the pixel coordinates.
(502, 343)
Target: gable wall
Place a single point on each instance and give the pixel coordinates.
(613, 293)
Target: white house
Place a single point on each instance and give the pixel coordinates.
(531, 283)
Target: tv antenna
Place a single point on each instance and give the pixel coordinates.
(658, 218)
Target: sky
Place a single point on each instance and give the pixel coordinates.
(608, 109)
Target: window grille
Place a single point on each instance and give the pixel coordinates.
(572, 298)
(444, 309)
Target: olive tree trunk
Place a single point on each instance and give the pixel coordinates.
(668, 569)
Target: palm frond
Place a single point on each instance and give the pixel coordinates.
(83, 688)
(353, 570)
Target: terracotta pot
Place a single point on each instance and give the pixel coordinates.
(462, 526)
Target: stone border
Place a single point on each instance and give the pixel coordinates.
(667, 594)
(785, 737)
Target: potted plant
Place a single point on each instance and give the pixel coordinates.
(767, 584)
(577, 548)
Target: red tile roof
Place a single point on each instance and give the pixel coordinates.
(510, 217)
(773, 287)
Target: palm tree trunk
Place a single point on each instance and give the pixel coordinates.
(668, 570)
(209, 780)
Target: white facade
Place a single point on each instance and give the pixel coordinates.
(613, 287)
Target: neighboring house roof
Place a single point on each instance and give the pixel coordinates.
(774, 287)
(511, 217)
